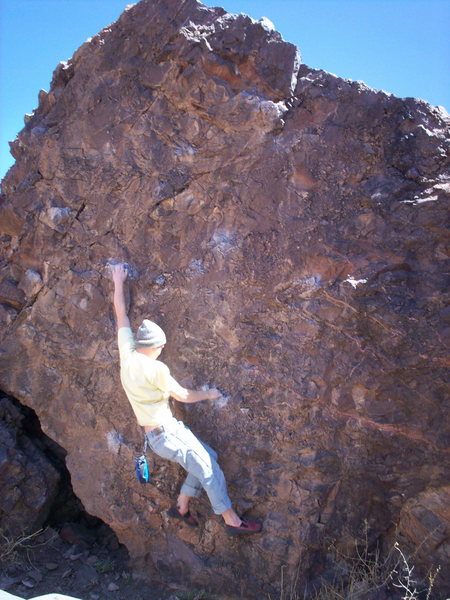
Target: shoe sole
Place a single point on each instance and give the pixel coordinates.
(233, 532)
(173, 512)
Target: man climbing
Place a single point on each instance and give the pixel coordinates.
(148, 385)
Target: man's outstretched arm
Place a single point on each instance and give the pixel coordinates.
(119, 274)
(189, 396)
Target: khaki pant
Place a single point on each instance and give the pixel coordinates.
(177, 443)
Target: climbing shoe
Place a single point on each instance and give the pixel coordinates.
(245, 528)
(187, 518)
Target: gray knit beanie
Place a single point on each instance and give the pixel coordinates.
(150, 335)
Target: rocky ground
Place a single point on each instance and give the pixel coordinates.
(78, 562)
(89, 564)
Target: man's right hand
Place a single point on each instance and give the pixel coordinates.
(214, 394)
(189, 396)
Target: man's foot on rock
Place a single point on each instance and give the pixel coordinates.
(245, 528)
(187, 517)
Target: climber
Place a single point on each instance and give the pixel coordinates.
(148, 385)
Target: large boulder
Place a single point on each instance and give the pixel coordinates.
(287, 228)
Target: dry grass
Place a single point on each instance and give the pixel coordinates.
(405, 580)
(361, 576)
(10, 545)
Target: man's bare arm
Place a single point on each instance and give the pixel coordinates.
(190, 396)
(119, 275)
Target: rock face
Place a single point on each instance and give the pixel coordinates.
(29, 481)
(287, 229)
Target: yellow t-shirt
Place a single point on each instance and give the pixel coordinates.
(146, 381)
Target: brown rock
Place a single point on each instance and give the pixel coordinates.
(31, 283)
(29, 482)
(287, 229)
(10, 295)
(86, 577)
(424, 531)
(78, 535)
(10, 223)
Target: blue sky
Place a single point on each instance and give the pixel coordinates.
(401, 46)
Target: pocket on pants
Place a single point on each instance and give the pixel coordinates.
(165, 446)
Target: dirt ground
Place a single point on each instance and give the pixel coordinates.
(68, 563)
